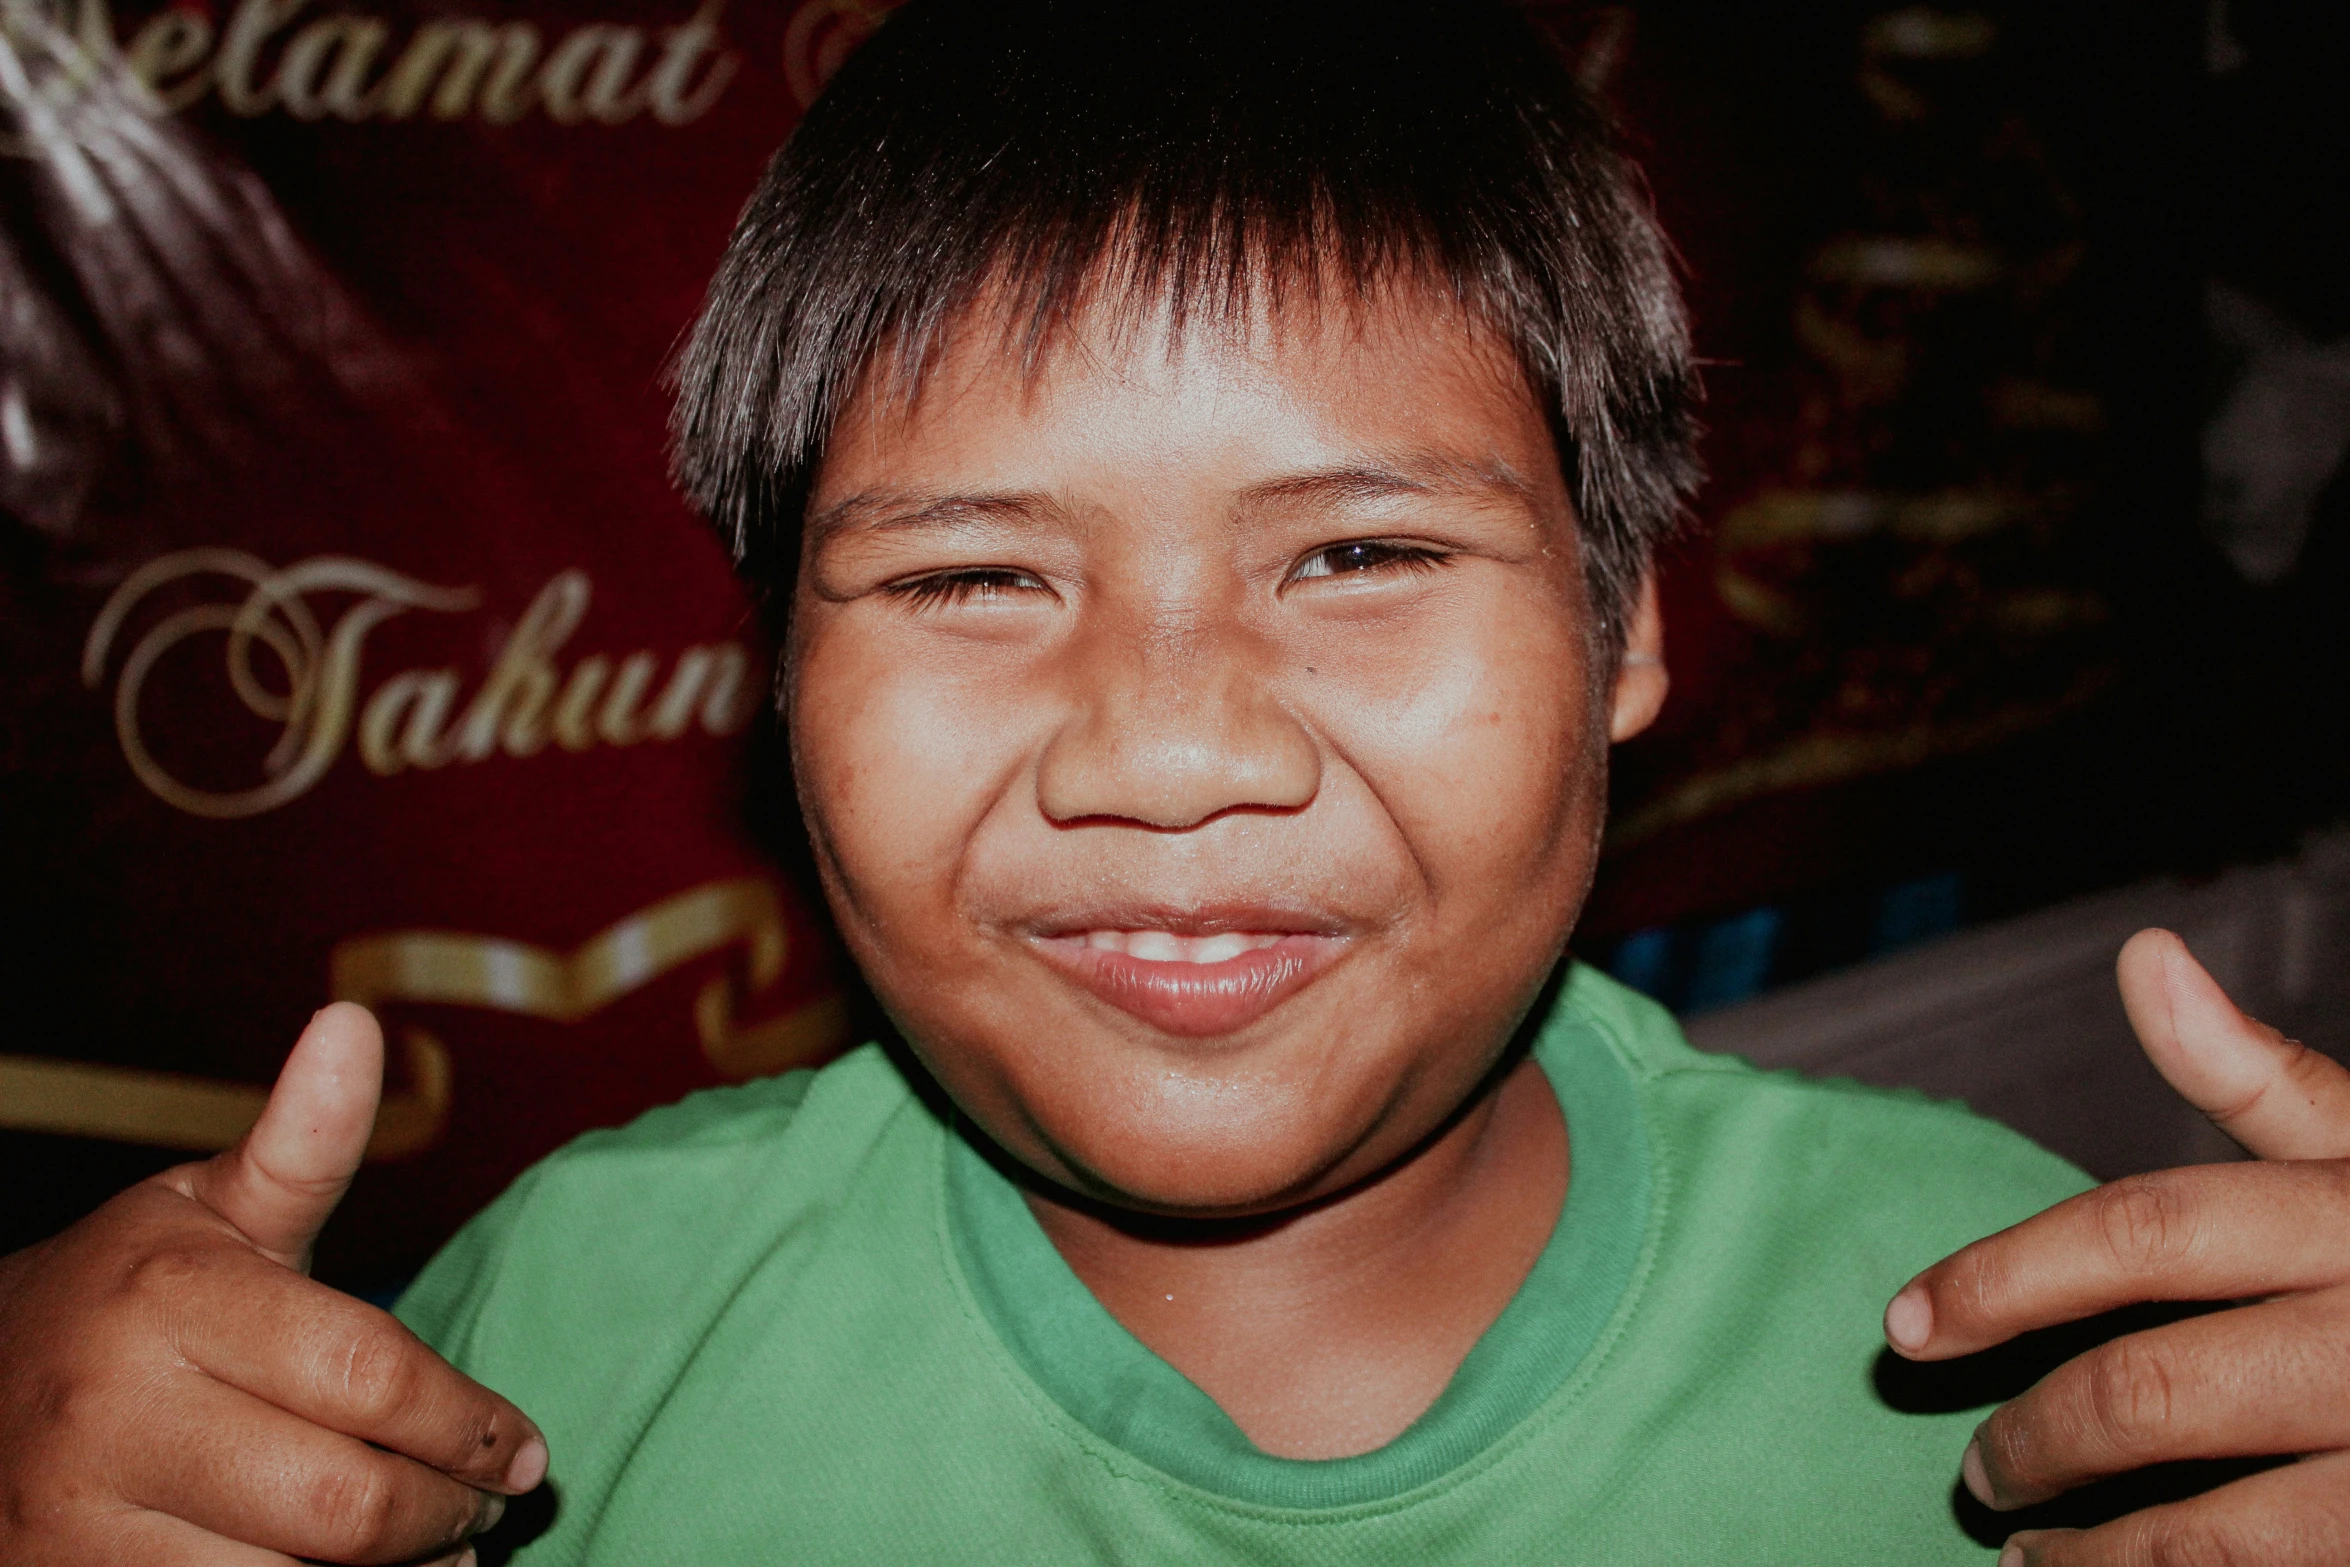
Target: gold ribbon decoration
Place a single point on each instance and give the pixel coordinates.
(121, 1104)
(172, 1110)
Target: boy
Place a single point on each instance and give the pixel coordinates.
(1211, 460)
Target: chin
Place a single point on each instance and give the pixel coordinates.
(1201, 1149)
(1329, 1087)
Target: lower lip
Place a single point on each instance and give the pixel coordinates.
(1194, 1000)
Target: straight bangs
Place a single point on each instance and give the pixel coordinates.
(1043, 160)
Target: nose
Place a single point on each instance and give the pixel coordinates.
(1170, 731)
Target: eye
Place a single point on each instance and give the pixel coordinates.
(980, 583)
(1357, 556)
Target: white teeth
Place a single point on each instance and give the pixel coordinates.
(1160, 946)
(1155, 946)
(1215, 949)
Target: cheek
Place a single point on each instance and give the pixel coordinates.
(898, 758)
(1479, 744)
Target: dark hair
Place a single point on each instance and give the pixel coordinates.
(1061, 152)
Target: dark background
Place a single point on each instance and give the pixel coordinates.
(1957, 632)
(2166, 147)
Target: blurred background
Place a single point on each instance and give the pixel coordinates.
(352, 644)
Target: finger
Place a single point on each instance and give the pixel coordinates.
(158, 1540)
(279, 1185)
(2259, 1380)
(340, 1363)
(245, 1470)
(2296, 1516)
(2279, 1098)
(2208, 1232)
(154, 1540)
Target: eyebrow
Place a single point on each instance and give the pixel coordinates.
(1422, 474)
(888, 511)
(892, 511)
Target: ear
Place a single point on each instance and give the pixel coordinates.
(1641, 680)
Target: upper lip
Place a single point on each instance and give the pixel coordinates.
(1211, 919)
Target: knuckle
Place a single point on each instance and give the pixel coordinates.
(355, 1508)
(378, 1376)
(71, 1413)
(2148, 1225)
(74, 1419)
(1976, 1286)
(2302, 1066)
(2011, 1440)
(2296, 1069)
(163, 1276)
(2127, 1394)
(2180, 1537)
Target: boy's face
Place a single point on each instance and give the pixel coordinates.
(1201, 742)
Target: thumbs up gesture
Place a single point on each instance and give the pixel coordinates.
(2267, 1378)
(176, 1391)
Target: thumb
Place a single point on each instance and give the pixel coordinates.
(2279, 1098)
(279, 1185)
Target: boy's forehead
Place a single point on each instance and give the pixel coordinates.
(1365, 479)
(1326, 398)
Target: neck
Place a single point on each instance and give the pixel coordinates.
(1325, 1333)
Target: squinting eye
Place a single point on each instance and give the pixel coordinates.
(958, 587)
(1360, 555)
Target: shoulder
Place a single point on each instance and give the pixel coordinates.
(1889, 1157)
(745, 1116)
(667, 1160)
(641, 1209)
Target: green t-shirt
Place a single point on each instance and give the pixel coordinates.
(802, 1321)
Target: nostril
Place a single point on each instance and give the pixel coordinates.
(1129, 769)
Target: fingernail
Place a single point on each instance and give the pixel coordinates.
(493, 1508)
(2022, 1550)
(529, 1467)
(1977, 1478)
(1909, 1320)
(469, 1559)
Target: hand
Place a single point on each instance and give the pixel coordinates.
(175, 1392)
(2259, 1379)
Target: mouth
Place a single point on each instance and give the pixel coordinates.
(1193, 976)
